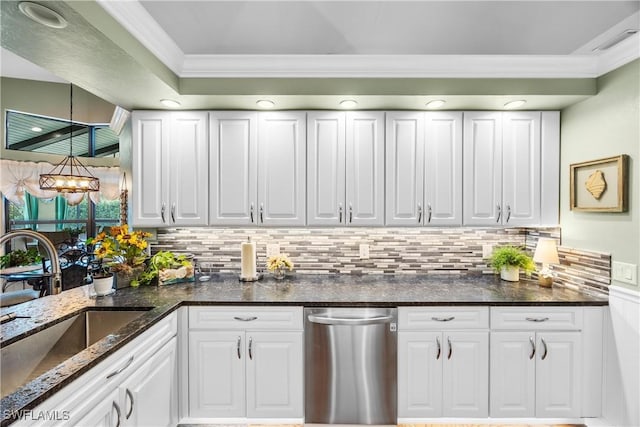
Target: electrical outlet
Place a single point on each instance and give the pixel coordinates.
(272, 249)
(364, 251)
(623, 272)
(487, 250)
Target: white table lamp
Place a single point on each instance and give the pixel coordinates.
(546, 253)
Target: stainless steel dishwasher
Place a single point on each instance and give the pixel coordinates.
(350, 365)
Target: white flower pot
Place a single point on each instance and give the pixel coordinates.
(510, 273)
(103, 285)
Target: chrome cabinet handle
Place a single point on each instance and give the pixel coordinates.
(428, 213)
(131, 400)
(508, 212)
(261, 213)
(499, 212)
(126, 365)
(350, 214)
(340, 213)
(251, 213)
(250, 348)
(443, 319)
(173, 212)
(238, 347)
(537, 319)
(117, 408)
(544, 345)
(245, 319)
(533, 348)
(162, 209)
(419, 213)
(439, 348)
(450, 348)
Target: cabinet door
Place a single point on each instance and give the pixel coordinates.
(405, 165)
(521, 168)
(512, 370)
(149, 396)
(150, 191)
(365, 168)
(465, 376)
(326, 168)
(420, 374)
(558, 368)
(274, 375)
(106, 413)
(443, 169)
(234, 167)
(482, 161)
(189, 169)
(216, 374)
(281, 168)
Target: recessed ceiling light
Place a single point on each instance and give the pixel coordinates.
(348, 103)
(36, 129)
(436, 103)
(170, 103)
(42, 14)
(514, 104)
(265, 103)
(615, 40)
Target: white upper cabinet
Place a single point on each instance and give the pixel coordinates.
(345, 168)
(443, 169)
(281, 168)
(405, 166)
(170, 168)
(424, 168)
(482, 168)
(521, 168)
(326, 150)
(234, 167)
(511, 168)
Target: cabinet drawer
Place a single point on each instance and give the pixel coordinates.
(537, 318)
(253, 318)
(442, 318)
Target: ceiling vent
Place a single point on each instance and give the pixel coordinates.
(615, 40)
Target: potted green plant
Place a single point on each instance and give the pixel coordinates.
(167, 268)
(508, 260)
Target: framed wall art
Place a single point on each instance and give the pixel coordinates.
(599, 185)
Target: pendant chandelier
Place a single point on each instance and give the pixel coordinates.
(70, 175)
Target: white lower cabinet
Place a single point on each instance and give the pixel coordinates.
(244, 369)
(537, 359)
(135, 386)
(443, 373)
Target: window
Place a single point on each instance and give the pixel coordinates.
(28, 132)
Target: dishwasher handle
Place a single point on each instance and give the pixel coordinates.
(350, 320)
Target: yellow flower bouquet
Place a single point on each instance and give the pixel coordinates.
(126, 249)
(277, 264)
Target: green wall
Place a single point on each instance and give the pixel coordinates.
(605, 125)
(52, 100)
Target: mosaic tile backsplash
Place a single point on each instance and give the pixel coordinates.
(391, 250)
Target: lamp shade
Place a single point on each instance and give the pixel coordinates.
(546, 252)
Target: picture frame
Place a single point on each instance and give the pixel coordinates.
(600, 185)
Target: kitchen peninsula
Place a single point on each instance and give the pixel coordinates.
(408, 291)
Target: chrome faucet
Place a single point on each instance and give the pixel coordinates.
(55, 286)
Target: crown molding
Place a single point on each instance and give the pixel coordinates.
(390, 66)
(137, 21)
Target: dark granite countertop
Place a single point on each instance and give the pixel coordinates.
(300, 290)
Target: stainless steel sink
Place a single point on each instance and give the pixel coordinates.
(34, 355)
